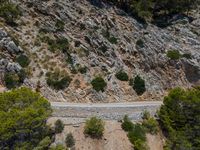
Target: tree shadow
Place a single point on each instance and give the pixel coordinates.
(166, 20)
(121, 11)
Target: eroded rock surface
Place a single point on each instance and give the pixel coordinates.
(104, 39)
(8, 50)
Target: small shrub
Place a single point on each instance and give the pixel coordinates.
(82, 70)
(60, 25)
(23, 60)
(138, 85)
(69, 59)
(151, 125)
(9, 12)
(13, 80)
(59, 126)
(127, 125)
(105, 33)
(58, 81)
(44, 144)
(138, 137)
(140, 43)
(22, 75)
(98, 84)
(187, 56)
(121, 75)
(61, 44)
(140, 145)
(113, 40)
(138, 132)
(69, 140)
(110, 38)
(103, 48)
(146, 115)
(173, 54)
(58, 147)
(94, 127)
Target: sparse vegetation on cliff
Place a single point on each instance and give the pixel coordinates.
(173, 54)
(9, 11)
(13, 80)
(138, 85)
(57, 80)
(121, 75)
(99, 84)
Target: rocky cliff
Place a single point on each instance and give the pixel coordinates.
(103, 40)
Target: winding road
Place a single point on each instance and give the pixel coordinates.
(78, 112)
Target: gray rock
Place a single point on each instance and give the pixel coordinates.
(2, 34)
(12, 47)
(13, 67)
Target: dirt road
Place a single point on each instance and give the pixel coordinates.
(76, 112)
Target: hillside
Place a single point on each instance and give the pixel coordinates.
(76, 41)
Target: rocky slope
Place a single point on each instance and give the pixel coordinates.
(104, 40)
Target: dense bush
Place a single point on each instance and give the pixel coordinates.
(146, 115)
(99, 84)
(9, 11)
(57, 80)
(113, 40)
(137, 137)
(69, 140)
(173, 54)
(23, 60)
(138, 85)
(58, 147)
(137, 132)
(127, 125)
(151, 125)
(59, 126)
(23, 116)
(187, 55)
(60, 25)
(44, 144)
(140, 43)
(121, 75)
(180, 119)
(60, 43)
(13, 80)
(103, 48)
(82, 70)
(109, 37)
(94, 127)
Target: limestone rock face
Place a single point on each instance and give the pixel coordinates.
(105, 40)
(8, 50)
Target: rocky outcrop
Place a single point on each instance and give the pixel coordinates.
(8, 50)
(105, 40)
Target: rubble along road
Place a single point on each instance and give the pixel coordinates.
(78, 112)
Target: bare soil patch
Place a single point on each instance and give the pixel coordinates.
(155, 142)
(114, 138)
